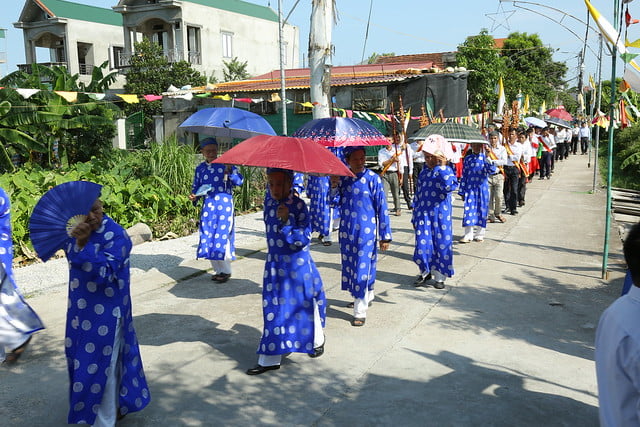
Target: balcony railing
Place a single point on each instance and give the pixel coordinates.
(173, 55)
(86, 69)
(26, 68)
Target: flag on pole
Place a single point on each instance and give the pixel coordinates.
(501, 97)
(525, 107)
(581, 101)
(592, 82)
(543, 107)
(609, 32)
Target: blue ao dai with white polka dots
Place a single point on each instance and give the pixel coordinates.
(291, 281)
(13, 308)
(99, 295)
(431, 220)
(474, 186)
(217, 240)
(364, 220)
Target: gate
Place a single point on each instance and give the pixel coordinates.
(134, 127)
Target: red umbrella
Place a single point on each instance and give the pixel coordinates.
(559, 113)
(341, 132)
(285, 152)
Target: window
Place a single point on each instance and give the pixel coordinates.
(193, 45)
(227, 45)
(85, 58)
(369, 99)
(117, 57)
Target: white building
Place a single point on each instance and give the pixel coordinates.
(203, 32)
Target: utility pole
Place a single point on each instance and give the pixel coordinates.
(320, 50)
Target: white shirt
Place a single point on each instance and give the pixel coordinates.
(527, 151)
(561, 135)
(585, 132)
(501, 155)
(516, 148)
(618, 361)
(385, 154)
(418, 156)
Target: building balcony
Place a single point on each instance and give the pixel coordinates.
(26, 68)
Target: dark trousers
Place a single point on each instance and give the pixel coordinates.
(545, 164)
(574, 145)
(512, 177)
(584, 144)
(406, 191)
(561, 151)
(522, 188)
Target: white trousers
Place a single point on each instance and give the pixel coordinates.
(223, 266)
(437, 276)
(10, 338)
(360, 305)
(473, 231)
(318, 340)
(108, 412)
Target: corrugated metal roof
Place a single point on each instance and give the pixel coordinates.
(82, 12)
(241, 7)
(303, 82)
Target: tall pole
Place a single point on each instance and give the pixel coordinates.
(614, 57)
(283, 97)
(598, 95)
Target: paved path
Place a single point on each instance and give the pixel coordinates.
(508, 342)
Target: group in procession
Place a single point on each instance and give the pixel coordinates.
(105, 368)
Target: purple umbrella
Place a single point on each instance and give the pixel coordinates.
(341, 132)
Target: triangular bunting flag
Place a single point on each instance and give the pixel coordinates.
(152, 98)
(636, 43)
(129, 99)
(247, 100)
(275, 97)
(27, 93)
(627, 57)
(68, 96)
(628, 19)
(305, 104)
(204, 95)
(96, 96)
(349, 113)
(224, 97)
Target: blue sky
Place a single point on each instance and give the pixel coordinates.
(413, 26)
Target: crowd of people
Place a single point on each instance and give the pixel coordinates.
(106, 376)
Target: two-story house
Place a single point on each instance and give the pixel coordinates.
(203, 32)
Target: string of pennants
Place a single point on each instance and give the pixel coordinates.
(187, 93)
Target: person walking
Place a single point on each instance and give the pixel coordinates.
(498, 156)
(364, 224)
(474, 191)
(512, 172)
(293, 298)
(106, 376)
(214, 183)
(431, 220)
(585, 137)
(18, 321)
(389, 160)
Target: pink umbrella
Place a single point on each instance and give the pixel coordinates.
(285, 152)
(559, 113)
(437, 144)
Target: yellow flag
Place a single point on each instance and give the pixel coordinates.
(306, 104)
(129, 99)
(501, 97)
(224, 97)
(69, 96)
(592, 83)
(525, 107)
(636, 43)
(543, 107)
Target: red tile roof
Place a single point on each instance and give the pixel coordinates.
(299, 78)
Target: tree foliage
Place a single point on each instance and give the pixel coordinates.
(374, 57)
(151, 73)
(523, 62)
(235, 70)
(479, 55)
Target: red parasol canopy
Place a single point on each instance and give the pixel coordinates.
(559, 113)
(285, 152)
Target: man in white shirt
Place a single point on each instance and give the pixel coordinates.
(584, 135)
(406, 167)
(527, 153)
(498, 156)
(618, 348)
(561, 141)
(512, 172)
(418, 160)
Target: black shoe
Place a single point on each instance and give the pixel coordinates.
(259, 369)
(221, 278)
(317, 352)
(421, 280)
(514, 212)
(438, 285)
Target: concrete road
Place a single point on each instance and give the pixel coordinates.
(508, 342)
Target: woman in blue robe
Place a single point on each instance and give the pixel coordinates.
(214, 183)
(293, 298)
(18, 321)
(106, 377)
(364, 222)
(322, 212)
(431, 220)
(474, 190)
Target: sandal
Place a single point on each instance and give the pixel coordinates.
(326, 243)
(358, 321)
(15, 354)
(502, 219)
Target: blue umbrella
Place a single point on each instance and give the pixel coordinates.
(341, 132)
(58, 212)
(227, 122)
